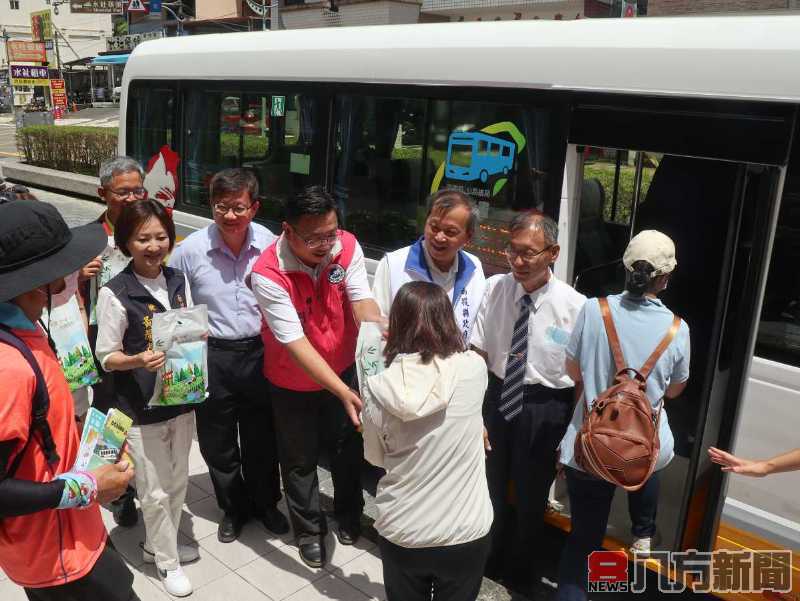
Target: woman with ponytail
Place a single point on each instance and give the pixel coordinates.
(641, 320)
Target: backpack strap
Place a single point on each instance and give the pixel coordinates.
(40, 406)
(662, 346)
(611, 332)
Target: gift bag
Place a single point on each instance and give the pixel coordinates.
(369, 352)
(72, 344)
(113, 263)
(181, 334)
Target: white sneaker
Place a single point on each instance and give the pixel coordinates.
(175, 582)
(641, 546)
(186, 554)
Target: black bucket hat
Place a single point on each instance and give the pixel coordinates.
(37, 247)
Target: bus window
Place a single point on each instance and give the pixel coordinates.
(379, 169)
(503, 156)
(276, 136)
(612, 182)
(153, 104)
(779, 329)
(392, 153)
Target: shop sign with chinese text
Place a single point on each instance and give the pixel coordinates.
(26, 52)
(108, 7)
(41, 25)
(23, 75)
(129, 42)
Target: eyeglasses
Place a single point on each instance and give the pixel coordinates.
(239, 210)
(526, 255)
(313, 243)
(126, 192)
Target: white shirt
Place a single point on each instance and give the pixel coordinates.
(382, 287)
(112, 319)
(554, 309)
(275, 302)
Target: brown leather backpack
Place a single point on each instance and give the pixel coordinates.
(618, 441)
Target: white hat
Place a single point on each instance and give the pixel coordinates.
(655, 248)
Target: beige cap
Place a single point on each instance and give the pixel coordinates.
(655, 248)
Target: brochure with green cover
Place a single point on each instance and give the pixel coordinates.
(103, 438)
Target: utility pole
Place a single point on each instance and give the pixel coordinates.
(274, 17)
(264, 6)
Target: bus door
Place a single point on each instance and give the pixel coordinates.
(710, 178)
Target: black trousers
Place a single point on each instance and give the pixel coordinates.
(109, 580)
(451, 573)
(308, 423)
(523, 450)
(235, 429)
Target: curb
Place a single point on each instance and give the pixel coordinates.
(42, 177)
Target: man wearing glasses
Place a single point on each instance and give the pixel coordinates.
(438, 257)
(234, 425)
(121, 183)
(312, 286)
(522, 329)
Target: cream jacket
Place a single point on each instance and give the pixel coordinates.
(423, 425)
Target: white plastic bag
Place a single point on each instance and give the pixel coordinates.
(369, 353)
(181, 334)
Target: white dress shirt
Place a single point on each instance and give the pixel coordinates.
(554, 309)
(276, 304)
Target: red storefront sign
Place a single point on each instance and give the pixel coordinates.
(26, 52)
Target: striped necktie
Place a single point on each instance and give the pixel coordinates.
(513, 383)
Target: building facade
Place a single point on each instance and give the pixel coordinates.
(80, 35)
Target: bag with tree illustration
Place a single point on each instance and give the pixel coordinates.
(181, 334)
(66, 328)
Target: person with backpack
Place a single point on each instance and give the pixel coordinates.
(629, 353)
(52, 538)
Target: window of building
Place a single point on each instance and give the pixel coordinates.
(14, 4)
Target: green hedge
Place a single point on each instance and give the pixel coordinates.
(67, 148)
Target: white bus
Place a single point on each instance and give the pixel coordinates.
(685, 125)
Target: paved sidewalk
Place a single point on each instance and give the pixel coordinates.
(101, 116)
(257, 567)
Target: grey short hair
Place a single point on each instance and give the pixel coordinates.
(447, 199)
(538, 221)
(117, 166)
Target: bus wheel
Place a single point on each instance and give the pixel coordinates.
(484, 176)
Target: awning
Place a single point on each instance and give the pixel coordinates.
(112, 59)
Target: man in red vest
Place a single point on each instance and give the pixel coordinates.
(312, 287)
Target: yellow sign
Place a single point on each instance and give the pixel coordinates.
(41, 26)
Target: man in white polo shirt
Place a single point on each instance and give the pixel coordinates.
(522, 329)
(312, 287)
(438, 257)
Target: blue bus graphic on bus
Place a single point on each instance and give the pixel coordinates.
(476, 155)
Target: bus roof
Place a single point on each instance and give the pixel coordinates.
(714, 57)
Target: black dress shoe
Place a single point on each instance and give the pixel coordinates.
(275, 521)
(124, 510)
(348, 531)
(313, 553)
(229, 528)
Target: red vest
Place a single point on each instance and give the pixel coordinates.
(324, 311)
